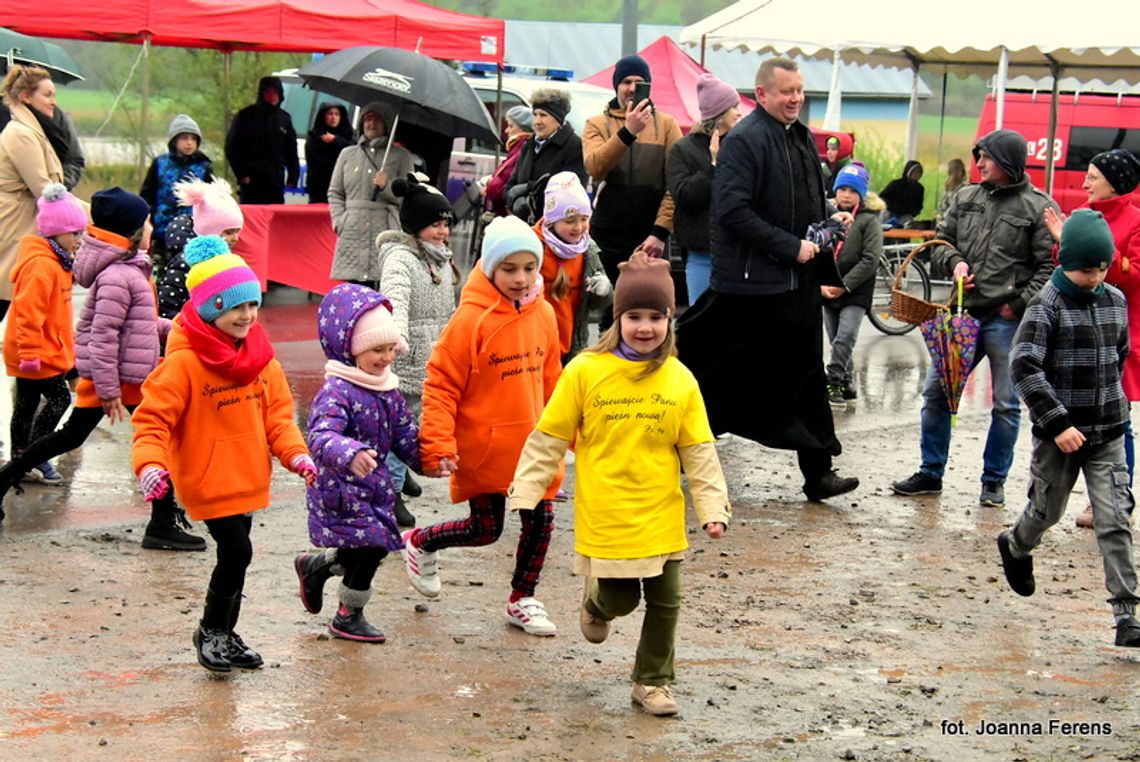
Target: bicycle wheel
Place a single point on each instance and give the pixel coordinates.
(916, 282)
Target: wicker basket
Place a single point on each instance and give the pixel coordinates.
(907, 307)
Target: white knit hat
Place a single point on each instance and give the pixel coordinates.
(506, 236)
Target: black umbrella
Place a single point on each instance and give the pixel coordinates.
(423, 91)
(20, 48)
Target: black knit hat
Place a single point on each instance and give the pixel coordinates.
(118, 211)
(631, 66)
(1120, 168)
(421, 205)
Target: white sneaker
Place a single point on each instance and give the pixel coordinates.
(530, 615)
(422, 568)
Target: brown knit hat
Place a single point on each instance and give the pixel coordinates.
(644, 283)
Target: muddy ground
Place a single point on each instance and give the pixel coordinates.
(872, 627)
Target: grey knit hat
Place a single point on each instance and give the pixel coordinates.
(183, 125)
(523, 117)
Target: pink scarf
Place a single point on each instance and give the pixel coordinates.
(363, 379)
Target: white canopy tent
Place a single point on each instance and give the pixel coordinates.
(1017, 37)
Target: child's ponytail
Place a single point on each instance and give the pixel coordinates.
(561, 285)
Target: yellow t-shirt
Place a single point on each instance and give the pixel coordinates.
(627, 500)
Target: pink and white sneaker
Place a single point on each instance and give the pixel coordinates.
(530, 615)
(422, 567)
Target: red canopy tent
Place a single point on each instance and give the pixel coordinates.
(675, 76)
(305, 26)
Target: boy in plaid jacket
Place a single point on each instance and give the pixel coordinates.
(1066, 362)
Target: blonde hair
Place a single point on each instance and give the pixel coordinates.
(560, 287)
(611, 340)
(955, 175)
(22, 79)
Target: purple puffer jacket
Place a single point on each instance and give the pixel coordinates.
(346, 511)
(117, 336)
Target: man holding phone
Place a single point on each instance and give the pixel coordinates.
(624, 149)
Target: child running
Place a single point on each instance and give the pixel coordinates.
(39, 340)
(574, 280)
(637, 416)
(419, 276)
(211, 414)
(487, 380)
(357, 418)
(1066, 363)
(116, 346)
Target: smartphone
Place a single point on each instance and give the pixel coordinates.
(640, 92)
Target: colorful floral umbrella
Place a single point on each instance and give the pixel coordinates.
(952, 340)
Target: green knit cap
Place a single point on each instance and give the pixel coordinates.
(1086, 241)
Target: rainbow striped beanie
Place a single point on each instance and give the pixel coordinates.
(218, 280)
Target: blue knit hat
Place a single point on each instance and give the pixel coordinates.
(118, 211)
(630, 66)
(855, 177)
(506, 236)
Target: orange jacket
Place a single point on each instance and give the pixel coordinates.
(213, 436)
(488, 378)
(566, 308)
(39, 321)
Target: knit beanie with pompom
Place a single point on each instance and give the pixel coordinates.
(218, 280)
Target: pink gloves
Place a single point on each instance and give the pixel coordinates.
(155, 482)
(304, 467)
(30, 366)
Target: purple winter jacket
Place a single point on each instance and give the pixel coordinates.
(117, 336)
(346, 511)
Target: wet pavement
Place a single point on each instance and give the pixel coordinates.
(865, 628)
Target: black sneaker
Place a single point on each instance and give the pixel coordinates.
(1019, 571)
(831, 485)
(835, 397)
(993, 494)
(1128, 632)
(918, 483)
(849, 393)
(350, 624)
(164, 534)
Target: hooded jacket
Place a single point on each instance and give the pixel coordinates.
(859, 257)
(39, 321)
(630, 199)
(213, 433)
(1000, 231)
(346, 511)
(490, 375)
(903, 195)
(117, 336)
(262, 146)
(1123, 220)
(320, 157)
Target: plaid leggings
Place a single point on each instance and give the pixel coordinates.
(484, 525)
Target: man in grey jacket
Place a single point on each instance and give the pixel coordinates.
(1000, 245)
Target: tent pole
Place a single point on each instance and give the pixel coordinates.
(704, 41)
(227, 74)
(941, 130)
(1050, 157)
(835, 94)
(912, 116)
(144, 114)
(999, 98)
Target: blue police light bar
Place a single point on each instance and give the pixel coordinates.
(479, 67)
(482, 68)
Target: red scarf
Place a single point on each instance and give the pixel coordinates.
(218, 351)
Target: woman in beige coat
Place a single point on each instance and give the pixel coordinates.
(361, 201)
(28, 163)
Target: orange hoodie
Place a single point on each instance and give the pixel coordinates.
(567, 307)
(214, 436)
(488, 378)
(40, 320)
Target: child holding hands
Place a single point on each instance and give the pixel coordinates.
(487, 381)
(1066, 362)
(357, 418)
(633, 409)
(211, 415)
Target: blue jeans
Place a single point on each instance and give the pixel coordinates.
(698, 268)
(397, 468)
(994, 341)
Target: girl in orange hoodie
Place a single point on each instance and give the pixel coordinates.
(488, 378)
(39, 340)
(211, 415)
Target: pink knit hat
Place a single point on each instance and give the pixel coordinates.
(715, 96)
(59, 212)
(374, 328)
(214, 207)
(564, 196)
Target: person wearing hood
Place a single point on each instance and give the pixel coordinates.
(554, 147)
(999, 244)
(331, 134)
(261, 147)
(361, 201)
(904, 196)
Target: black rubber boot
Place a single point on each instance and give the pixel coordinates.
(411, 487)
(241, 655)
(9, 481)
(349, 622)
(404, 518)
(212, 638)
(165, 529)
(313, 571)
